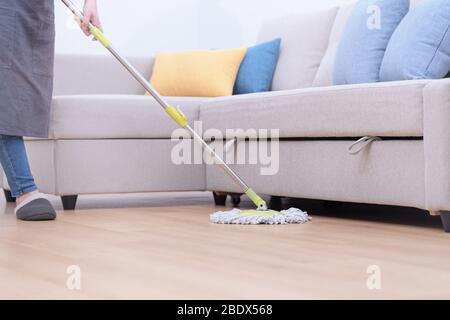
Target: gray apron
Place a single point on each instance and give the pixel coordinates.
(27, 43)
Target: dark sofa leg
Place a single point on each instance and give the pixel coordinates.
(235, 199)
(276, 203)
(219, 198)
(8, 196)
(445, 217)
(69, 202)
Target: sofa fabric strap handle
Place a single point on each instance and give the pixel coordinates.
(358, 146)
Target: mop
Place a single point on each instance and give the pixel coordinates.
(261, 215)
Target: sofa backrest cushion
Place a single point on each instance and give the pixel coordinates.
(305, 40)
(420, 47)
(97, 74)
(324, 76)
(203, 73)
(257, 69)
(365, 39)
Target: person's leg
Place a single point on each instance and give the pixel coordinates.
(31, 205)
(14, 161)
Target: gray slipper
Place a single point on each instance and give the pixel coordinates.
(36, 208)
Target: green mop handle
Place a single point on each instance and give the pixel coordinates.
(174, 112)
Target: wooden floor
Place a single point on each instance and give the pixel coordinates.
(162, 246)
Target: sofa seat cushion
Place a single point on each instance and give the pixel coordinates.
(390, 109)
(115, 117)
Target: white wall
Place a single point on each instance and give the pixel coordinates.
(142, 27)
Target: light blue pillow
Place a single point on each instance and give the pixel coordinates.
(365, 38)
(420, 47)
(258, 68)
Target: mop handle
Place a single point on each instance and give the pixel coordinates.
(174, 112)
(98, 34)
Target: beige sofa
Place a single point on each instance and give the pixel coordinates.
(106, 137)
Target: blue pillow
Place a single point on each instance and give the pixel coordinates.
(365, 38)
(420, 47)
(258, 68)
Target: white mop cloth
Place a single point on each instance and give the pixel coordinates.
(292, 215)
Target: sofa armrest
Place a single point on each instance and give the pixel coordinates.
(437, 144)
(97, 74)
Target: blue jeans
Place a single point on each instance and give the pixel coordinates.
(14, 161)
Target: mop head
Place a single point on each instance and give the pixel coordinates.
(236, 216)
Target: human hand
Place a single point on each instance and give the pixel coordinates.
(90, 12)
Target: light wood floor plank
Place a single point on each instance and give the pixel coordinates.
(163, 246)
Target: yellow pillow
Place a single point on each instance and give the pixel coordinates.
(197, 73)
